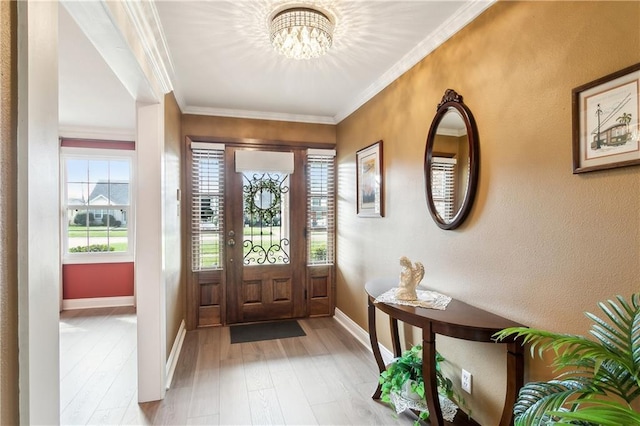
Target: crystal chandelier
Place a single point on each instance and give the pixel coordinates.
(301, 33)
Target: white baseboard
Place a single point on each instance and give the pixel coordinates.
(361, 335)
(172, 361)
(97, 302)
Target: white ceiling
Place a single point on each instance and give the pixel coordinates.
(222, 62)
(90, 95)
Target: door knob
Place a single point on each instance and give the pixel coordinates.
(231, 242)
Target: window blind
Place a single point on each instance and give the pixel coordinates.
(320, 207)
(207, 206)
(443, 186)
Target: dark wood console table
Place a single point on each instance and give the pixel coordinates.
(460, 321)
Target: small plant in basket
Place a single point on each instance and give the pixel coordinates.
(404, 377)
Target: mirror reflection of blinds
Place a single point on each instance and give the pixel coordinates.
(443, 186)
(320, 207)
(207, 206)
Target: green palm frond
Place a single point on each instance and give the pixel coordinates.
(621, 338)
(604, 413)
(605, 366)
(537, 399)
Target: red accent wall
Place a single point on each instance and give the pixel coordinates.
(81, 281)
(88, 143)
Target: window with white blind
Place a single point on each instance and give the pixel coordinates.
(207, 206)
(443, 186)
(320, 206)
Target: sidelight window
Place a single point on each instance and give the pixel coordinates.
(207, 206)
(443, 186)
(320, 206)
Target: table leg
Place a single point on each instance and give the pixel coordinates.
(375, 347)
(395, 337)
(429, 376)
(515, 380)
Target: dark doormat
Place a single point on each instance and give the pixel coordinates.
(265, 331)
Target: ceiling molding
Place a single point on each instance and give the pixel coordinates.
(459, 20)
(445, 131)
(146, 23)
(259, 115)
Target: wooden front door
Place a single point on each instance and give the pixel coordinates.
(265, 244)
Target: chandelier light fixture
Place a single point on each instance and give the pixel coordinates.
(301, 33)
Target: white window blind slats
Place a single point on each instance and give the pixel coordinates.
(320, 209)
(207, 208)
(443, 186)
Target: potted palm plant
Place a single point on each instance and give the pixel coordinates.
(598, 379)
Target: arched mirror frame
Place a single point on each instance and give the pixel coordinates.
(452, 99)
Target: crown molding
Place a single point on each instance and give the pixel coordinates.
(451, 26)
(259, 115)
(145, 20)
(445, 131)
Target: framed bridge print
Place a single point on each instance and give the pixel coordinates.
(370, 181)
(606, 130)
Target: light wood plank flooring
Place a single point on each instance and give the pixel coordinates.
(325, 377)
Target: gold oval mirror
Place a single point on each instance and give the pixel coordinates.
(451, 162)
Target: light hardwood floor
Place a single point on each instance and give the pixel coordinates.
(326, 377)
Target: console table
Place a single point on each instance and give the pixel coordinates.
(459, 320)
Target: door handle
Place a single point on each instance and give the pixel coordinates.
(231, 242)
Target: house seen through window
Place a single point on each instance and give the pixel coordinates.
(97, 196)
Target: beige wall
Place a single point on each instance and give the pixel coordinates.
(8, 218)
(541, 245)
(174, 276)
(223, 127)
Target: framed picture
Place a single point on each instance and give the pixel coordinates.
(606, 131)
(370, 181)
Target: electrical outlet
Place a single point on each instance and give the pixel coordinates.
(466, 381)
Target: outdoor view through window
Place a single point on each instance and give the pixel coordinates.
(97, 205)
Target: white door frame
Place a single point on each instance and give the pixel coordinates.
(39, 260)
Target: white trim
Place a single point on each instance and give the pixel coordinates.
(146, 22)
(96, 257)
(150, 279)
(207, 145)
(97, 302)
(445, 131)
(444, 160)
(321, 152)
(361, 335)
(172, 361)
(259, 115)
(92, 153)
(264, 161)
(97, 133)
(455, 23)
(38, 239)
